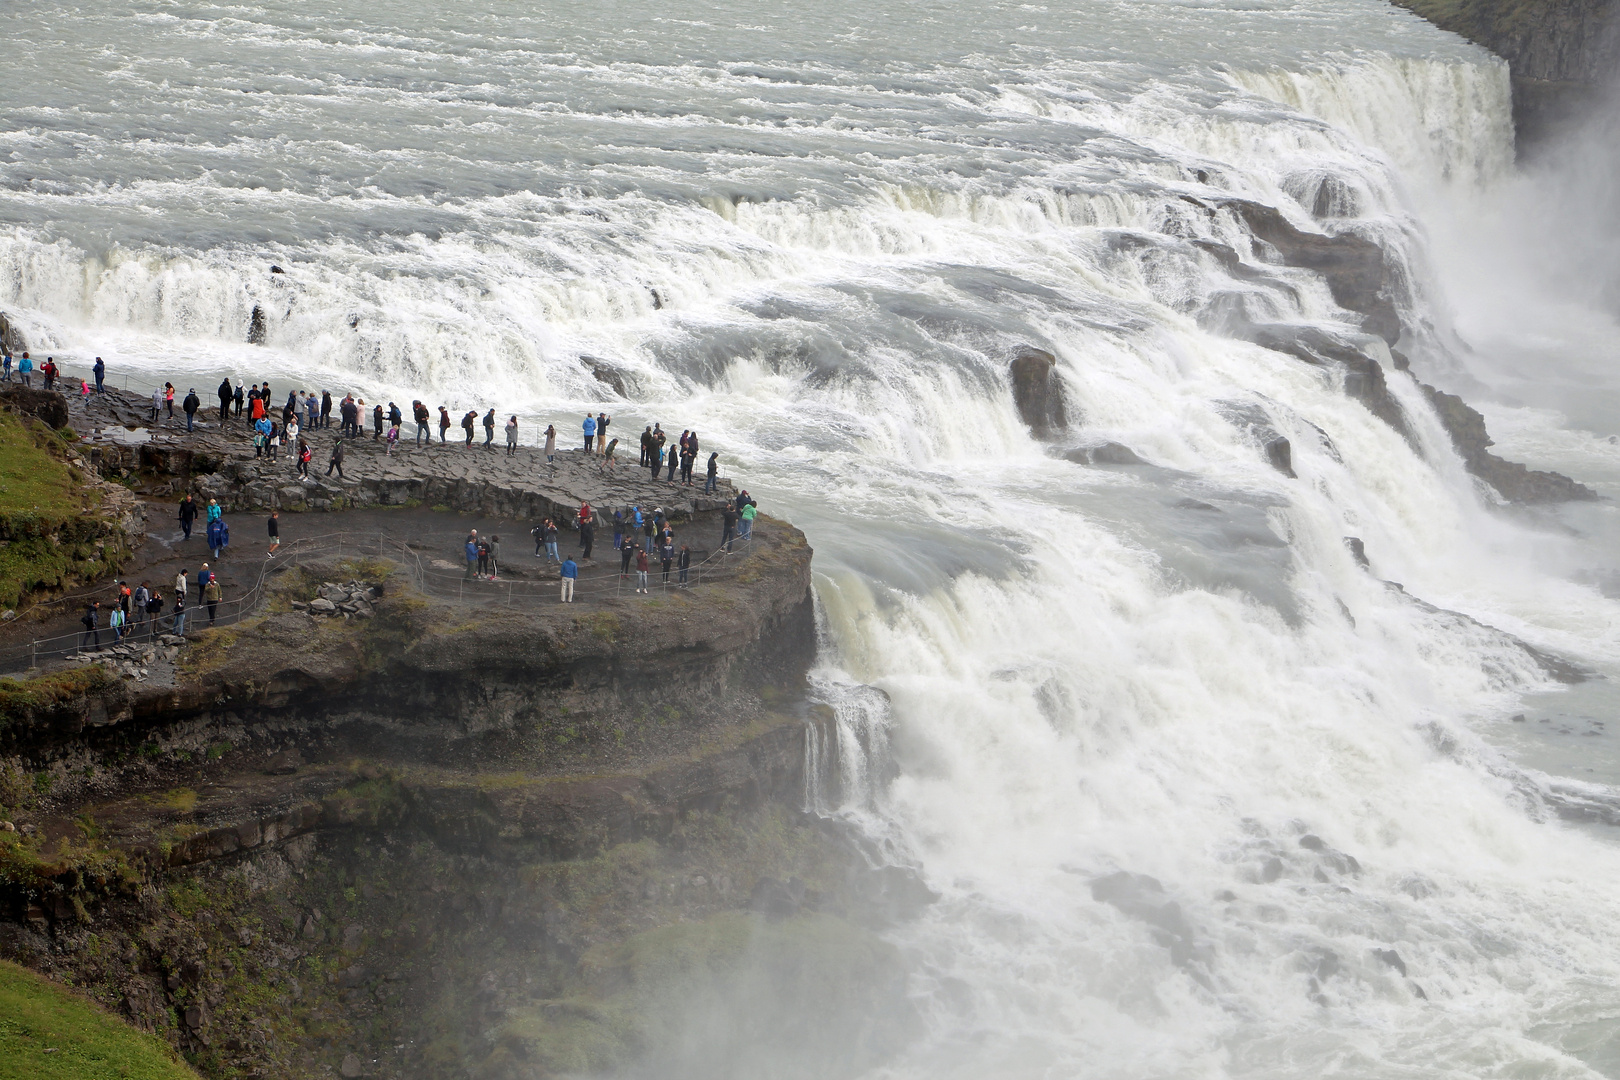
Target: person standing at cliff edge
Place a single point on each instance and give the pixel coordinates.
(101, 375)
(551, 444)
(590, 431)
(570, 573)
(191, 405)
(275, 534)
(224, 393)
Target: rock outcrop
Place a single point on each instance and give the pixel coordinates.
(1038, 391)
(1562, 54)
(1513, 481)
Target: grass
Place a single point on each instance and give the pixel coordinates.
(21, 699)
(46, 1033)
(32, 479)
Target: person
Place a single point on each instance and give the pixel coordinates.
(747, 516)
(587, 535)
(91, 638)
(204, 576)
(489, 428)
(290, 429)
(100, 372)
(618, 529)
(551, 541)
(116, 622)
(728, 517)
(551, 444)
(5, 364)
(471, 551)
(188, 514)
(666, 556)
(168, 398)
(590, 431)
(84, 392)
(646, 445)
(469, 424)
(214, 511)
(237, 399)
(655, 458)
(376, 423)
(326, 408)
(124, 598)
(712, 482)
(444, 424)
(143, 594)
(625, 554)
(182, 582)
(511, 436)
(494, 557)
(393, 439)
(215, 527)
(154, 608)
(180, 614)
(395, 417)
(312, 411)
(191, 405)
(674, 460)
(483, 558)
(211, 597)
(607, 455)
(157, 402)
(224, 394)
(49, 371)
(261, 433)
(686, 466)
(336, 460)
(423, 420)
(348, 418)
(570, 573)
(685, 562)
(304, 456)
(25, 371)
(648, 525)
(602, 421)
(275, 533)
(641, 569)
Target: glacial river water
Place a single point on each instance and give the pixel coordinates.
(817, 234)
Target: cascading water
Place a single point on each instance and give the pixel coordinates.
(1199, 795)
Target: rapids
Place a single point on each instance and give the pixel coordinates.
(817, 236)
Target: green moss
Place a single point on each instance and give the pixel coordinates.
(48, 1034)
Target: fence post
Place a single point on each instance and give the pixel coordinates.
(33, 654)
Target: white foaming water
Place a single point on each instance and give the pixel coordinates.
(818, 238)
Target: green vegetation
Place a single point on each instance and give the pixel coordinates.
(21, 700)
(50, 533)
(48, 1034)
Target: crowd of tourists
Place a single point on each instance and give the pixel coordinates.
(641, 538)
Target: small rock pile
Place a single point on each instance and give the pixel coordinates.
(353, 600)
(132, 660)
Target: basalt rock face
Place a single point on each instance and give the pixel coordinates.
(1038, 391)
(452, 841)
(45, 405)
(1562, 53)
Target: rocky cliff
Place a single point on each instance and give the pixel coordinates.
(1562, 53)
(448, 840)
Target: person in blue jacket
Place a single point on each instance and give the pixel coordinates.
(570, 572)
(590, 431)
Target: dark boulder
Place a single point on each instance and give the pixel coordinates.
(11, 337)
(1392, 958)
(1038, 392)
(46, 405)
(1363, 375)
(608, 375)
(256, 328)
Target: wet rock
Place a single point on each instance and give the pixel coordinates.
(1142, 897)
(351, 1067)
(1038, 392)
(607, 375)
(195, 1017)
(1271, 870)
(1392, 958)
(322, 606)
(1113, 453)
(1513, 481)
(256, 327)
(1280, 454)
(11, 337)
(1358, 551)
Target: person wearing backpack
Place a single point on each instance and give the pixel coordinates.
(469, 424)
(336, 460)
(138, 604)
(91, 620)
(444, 424)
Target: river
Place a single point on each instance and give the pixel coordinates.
(817, 235)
